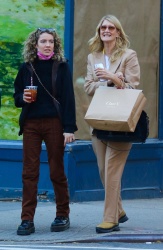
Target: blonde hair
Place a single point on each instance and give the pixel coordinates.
(122, 42)
(30, 51)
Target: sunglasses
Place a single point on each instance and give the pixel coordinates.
(104, 27)
(46, 29)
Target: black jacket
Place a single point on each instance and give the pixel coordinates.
(64, 93)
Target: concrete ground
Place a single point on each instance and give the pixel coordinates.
(145, 223)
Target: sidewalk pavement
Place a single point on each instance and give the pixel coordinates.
(145, 223)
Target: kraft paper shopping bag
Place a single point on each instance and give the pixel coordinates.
(115, 109)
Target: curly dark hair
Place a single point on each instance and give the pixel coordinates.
(30, 50)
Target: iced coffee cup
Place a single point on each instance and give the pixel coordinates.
(33, 91)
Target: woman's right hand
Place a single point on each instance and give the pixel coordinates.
(104, 74)
(27, 96)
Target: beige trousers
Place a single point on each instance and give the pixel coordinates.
(111, 159)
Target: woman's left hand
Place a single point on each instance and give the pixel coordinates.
(68, 138)
(120, 75)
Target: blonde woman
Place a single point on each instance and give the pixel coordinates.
(111, 63)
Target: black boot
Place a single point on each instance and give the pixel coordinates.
(60, 223)
(26, 228)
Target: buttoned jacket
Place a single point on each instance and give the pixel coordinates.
(127, 64)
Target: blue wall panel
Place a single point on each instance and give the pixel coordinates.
(143, 174)
(142, 177)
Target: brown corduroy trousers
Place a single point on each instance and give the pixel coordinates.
(50, 131)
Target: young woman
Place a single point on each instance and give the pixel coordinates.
(109, 48)
(51, 118)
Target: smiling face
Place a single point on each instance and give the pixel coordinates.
(45, 44)
(108, 32)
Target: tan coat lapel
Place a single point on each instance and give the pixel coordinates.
(115, 65)
(100, 58)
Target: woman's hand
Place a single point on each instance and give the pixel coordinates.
(27, 97)
(104, 74)
(68, 138)
(119, 85)
(117, 78)
(120, 75)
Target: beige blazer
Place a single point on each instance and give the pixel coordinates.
(127, 64)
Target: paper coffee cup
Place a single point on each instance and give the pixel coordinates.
(99, 66)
